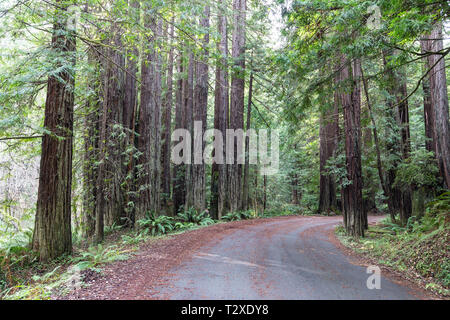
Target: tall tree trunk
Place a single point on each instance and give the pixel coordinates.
(149, 126)
(52, 235)
(403, 115)
(113, 94)
(129, 120)
(354, 221)
(439, 101)
(91, 144)
(219, 171)
(200, 108)
(294, 187)
(245, 196)
(265, 192)
(402, 201)
(179, 171)
(237, 99)
(428, 112)
(393, 135)
(167, 117)
(189, 112)
(381, 174)
(156, 124)
(327, 133)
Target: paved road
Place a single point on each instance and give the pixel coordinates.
(288, 259)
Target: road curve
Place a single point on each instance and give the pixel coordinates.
(289, 259)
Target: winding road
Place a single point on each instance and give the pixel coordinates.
(293, 258)
(289, 258)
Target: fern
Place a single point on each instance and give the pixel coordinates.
(192, 216)
(95, 256)
(157, 225)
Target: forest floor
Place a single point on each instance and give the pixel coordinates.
(296, 257)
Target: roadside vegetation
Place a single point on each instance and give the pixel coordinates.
(420, 251)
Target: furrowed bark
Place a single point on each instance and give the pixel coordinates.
(219, 172)
(52, 235)
(200, 109)
(353, 210)
(237, 99)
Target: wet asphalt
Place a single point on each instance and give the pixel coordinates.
(287, 259)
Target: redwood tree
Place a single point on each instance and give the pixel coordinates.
(354, 221)
(52, 235)
(439, 102)
(219, 171)
(199, 114)
(237, 99)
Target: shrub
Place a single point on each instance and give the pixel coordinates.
(191, 215)
(14, 251)
(232, 216)
(97, 255)
(157, 225)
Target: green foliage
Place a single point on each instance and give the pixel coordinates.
(14, 252)
(97, 255)
(232, 216)
(240, 215)
(440, 206)
(421, 247)
(157, 225)
(113, 228)
(418, 170)
(191, 215)
(135, 238)
(182, 226)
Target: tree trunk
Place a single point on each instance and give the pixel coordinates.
(428, 112)
(397, 89)
(439, 101)
(167, 117)
(149, 127)
(237, 99)
(328, 130)
(113, 170)
(129, 122)
(189, 111)
(295, 194)
(91, 145)
(381, 174)
(52, 235)
(393, 137)
(200, 109)
(265, 192)
(403, 111)
(179, 171)
(219, 171)
(245, 196)
(354, 221)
